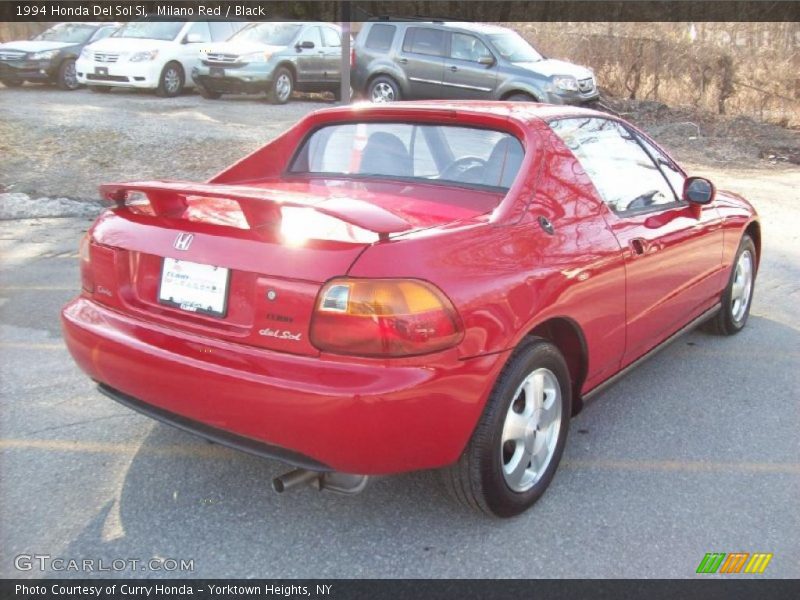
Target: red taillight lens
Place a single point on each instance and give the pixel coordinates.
(87, 279)
(383, 317)
(352, 57)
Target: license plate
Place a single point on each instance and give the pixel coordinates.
(217, 72)
(101, 70)
(194, 287)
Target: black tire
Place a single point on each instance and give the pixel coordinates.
(384, 87)
(10, 82)
(208, 94)
(477, 480)
(100, 89)
(729, 320)
(66, 79)
(520, 97)
(172, 80)
(282, 87)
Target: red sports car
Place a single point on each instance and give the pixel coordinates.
(409, 286)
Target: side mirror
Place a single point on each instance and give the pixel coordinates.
(698, 190)
(307, 45)
(486, 60)
(193, 38)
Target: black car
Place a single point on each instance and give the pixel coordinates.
(50, 56)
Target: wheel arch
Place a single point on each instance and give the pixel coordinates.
(753, 229)
(288, 64)
(509, 93)
(566, 335)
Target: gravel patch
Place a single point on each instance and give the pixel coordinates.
(22, 206)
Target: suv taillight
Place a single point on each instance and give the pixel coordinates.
(384, 318)
(87, 278)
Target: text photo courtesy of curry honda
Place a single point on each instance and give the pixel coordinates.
(478, 277)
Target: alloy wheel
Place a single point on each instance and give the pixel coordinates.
(382, 92)
(283, 87)
(742, 286)
(530, 430)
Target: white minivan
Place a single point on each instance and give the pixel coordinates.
(157, 55)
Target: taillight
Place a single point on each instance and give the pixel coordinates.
(87, 279)
(352, 57)
(383, 317)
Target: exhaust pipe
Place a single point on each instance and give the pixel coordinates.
(294, 478)
(341, 483)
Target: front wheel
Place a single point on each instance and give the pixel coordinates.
(67, 78)
(282, 87)
(738, 294)
(518, 443)
(171, 82)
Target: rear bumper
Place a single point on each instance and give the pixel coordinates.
(355, 416)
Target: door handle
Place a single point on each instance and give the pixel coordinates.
(640, 246)
(453, 68)
(402, 61)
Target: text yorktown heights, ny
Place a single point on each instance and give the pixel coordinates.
(163, 590)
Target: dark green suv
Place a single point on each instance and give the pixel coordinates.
(411, 60)
(50, 56)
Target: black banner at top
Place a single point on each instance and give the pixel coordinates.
(362, 10)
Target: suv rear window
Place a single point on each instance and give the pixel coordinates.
(431, 153)
(380, 37)
(423, 40)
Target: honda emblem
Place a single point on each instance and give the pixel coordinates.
(183, 241)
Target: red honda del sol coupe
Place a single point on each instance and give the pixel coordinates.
(409, 286)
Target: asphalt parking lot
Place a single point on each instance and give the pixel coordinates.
(697, 451)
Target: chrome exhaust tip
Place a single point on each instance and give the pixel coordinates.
(341, 483)
(294, 478)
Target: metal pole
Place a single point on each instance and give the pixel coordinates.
(345, 24)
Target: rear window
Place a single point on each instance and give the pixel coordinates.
(380, 37)
(423, 40)
(432, 153)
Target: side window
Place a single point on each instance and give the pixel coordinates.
(200, 28)
(423, 40)
(380, 37)
(312, 35)
(220, 30)
(668, 168)
(331, 37)
(468, 47)
(623, 173)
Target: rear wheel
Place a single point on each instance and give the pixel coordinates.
(383, 89)
(518, 443)
(737, 297)
(67, 78)
(282, 86)
(171, 82)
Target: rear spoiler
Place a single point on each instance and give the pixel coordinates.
(168, 199)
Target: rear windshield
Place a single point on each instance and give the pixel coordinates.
(432, 153)
(271, 34)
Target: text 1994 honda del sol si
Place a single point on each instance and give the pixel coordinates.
(410, 286)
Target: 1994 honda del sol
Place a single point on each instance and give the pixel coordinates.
(410, 286)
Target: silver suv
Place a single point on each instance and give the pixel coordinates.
(410, 60)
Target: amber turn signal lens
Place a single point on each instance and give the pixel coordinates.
(384, 317)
